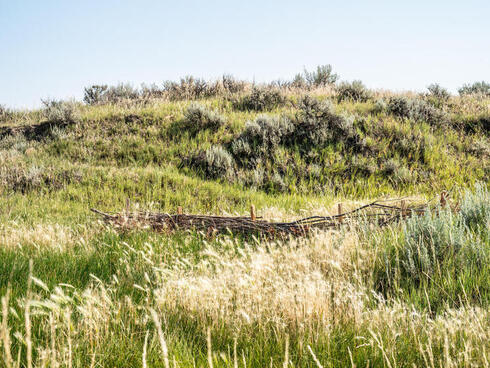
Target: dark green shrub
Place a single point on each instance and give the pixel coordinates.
(93, 95)
(477, 88)
(399, 106)
(261, 138)
(355, 91)
(261, 99)
(317, 124)
(198, 117)
(102, 94)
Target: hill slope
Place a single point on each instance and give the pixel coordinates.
(411, 294)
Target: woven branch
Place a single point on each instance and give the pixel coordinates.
(377, 212)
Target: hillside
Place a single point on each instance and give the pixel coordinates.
(411, 294)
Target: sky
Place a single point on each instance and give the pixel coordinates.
(52, 49)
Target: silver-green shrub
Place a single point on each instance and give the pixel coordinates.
(261, 99)
(354, 91)
(198, 117)
(438, 92)
(416, 109)
(60, 111)
(475, 208)
(218, 162)
(477, 88)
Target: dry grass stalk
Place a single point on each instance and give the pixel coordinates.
(5, 330)
(163, 343)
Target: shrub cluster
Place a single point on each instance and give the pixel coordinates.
(267, 138)
(214, 163)
(191, 88)
(321, 77)
(6, 114)
(317, 124)
(442, 246)
(103, 94)
(354, 91)
(261, 99)
(60, 111)
(477, 88)
(380, 105)
(25, 179)
(416, 109)
(198, 117)
(261, 138)
(194, 88)
(438, 92)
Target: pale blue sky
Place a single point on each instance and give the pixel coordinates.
(54, 48)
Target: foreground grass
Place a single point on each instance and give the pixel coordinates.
(87, 296)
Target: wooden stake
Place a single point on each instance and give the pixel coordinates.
(443, 199)
(180, 211)
(339, 210)
(403, 205)
(252, 213)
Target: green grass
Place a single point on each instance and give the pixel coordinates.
(414, 294)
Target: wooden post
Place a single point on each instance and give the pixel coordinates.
(403, 205)
(252, 213)
(443, 199)
(180, 211)
(339, 210)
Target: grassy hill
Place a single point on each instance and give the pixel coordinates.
(77, 293)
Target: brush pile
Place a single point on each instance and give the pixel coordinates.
(380, 213)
